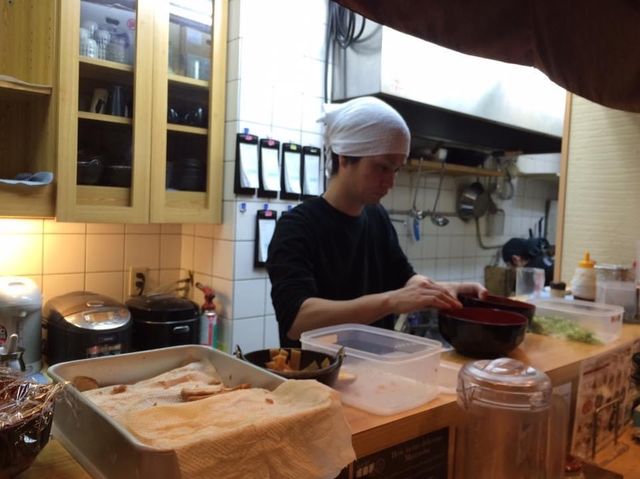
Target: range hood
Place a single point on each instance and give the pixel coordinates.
(450, 97)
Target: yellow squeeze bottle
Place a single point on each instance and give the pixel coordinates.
(583, 284)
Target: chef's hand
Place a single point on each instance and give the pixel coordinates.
(421, 293)
(473, 289)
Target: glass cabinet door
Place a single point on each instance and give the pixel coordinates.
(187, 166)
(106, 57)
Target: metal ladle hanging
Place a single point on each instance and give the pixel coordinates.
(415, 212)
(437, 218)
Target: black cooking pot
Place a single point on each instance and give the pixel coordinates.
(161, 321)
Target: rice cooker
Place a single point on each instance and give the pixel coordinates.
(163, 320)
(82, 325)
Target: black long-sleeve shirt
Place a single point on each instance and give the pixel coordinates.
(318, 251)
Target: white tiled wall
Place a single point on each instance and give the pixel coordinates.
(453, 253)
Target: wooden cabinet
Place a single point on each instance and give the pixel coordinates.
(141, 110)
(27, 99)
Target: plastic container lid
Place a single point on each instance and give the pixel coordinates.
(578, 307)
(504, 383)
(369, 342)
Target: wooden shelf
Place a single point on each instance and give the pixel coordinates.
(37, 201)
(183, 80)
(13, 89)
(103, 195)
(106, 70)
(186, 199)
(449, 169)
(540, 176)
(193, 130)
(87, 115)
(105, 64)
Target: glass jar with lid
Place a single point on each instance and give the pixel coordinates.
(505, 426)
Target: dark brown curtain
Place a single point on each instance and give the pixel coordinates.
(589, 47)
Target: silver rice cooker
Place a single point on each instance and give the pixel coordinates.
(82, 325)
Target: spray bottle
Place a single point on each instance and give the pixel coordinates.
(208, 318)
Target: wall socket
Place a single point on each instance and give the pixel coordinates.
(138, 277)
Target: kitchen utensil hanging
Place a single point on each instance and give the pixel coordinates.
(496, 215)
(504, 187)
(415, 212)
(473, 201)
(439, 219)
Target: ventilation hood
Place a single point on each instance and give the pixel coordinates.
(446, 96)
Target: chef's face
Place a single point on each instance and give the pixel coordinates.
(371, 178)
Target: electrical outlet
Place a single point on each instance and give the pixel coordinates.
(138, 277)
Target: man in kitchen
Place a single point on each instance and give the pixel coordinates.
(336, 259)
(532, 253)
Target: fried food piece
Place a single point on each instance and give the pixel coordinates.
(313, 366)
(120, 388)
(172, 382)
(345, 377)
(195, 394)
(294, 362)
(283, 361)
(84, 383)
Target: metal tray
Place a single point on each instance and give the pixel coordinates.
(104, 447)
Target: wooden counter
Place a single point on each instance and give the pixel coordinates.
(558, 358)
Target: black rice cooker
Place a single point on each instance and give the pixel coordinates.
(163, 320)
(83, 325)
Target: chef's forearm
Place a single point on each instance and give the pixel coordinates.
(318, 313)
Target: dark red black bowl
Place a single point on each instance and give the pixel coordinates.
(493, 301)
(482, 332)
(328, 375)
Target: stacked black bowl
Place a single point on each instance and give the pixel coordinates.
(189, 174)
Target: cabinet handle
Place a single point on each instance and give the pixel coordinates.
(181, 329)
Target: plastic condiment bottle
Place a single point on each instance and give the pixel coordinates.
(583, 285)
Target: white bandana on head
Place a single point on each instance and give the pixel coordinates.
(365, 126)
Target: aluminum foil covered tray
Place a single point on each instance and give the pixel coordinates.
(103, 446)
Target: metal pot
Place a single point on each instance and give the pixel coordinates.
(473, 201)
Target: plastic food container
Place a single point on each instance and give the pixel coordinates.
(620, 293)
(448, 377)
(384, 372)
(603, 320)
